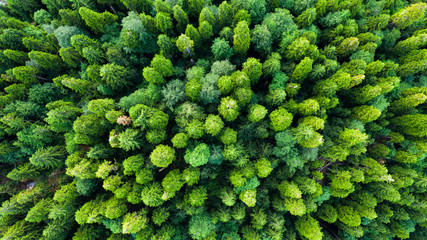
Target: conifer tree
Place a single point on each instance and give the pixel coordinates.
(194, 119)
(96, 21)
(241, 38)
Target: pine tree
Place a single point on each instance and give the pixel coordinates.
(114, 75)
(253, 68)
(185, 45)
(163, 22)
(46, 60)
(96, 21)
(143, 6)
(405, 17)
(229, 108)
(413, 125)
(261, 40)
(280, 119)
(309, 228)
(198, 156)
(225, 14)
(181, 17)
(241, 38)
(162, 156)
(51, 157)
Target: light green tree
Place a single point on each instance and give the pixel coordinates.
(280, 119)
(162, 156)
(96, 21)
(241, 38)
(229, 109)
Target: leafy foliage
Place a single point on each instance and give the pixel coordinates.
(196, 119)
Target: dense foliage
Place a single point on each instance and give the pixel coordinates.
(211, 119)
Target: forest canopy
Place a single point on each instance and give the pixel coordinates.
(211, 119)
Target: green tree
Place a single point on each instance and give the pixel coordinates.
(261, 40)
(221, 49)
(280, 119)
(192, 89)
(194, 35)
(191, 175)
(166, 45)
(21, 230)
(160, 215)
(308, 107)
(213, 124)
(162, 65)
(185, 45)
(413, 125)
(366, 113)
(18, 57)
(225, 84)
(306, 18)
(195, 129)
(152, 76)
(307, 137)
(309, 228)
(114, 75)
(198, 156)
(405, 157)
(248, 197)
(144, 6)
(64, 34)
(134, 222)
(180, 140)
(46, 60)
(347, 47)
(96, 21)
(241, 38)
(256, 113)
(300, 48)
(181, 17)
(114, 208)
(229, 109)
(51, 157)
(61, 115)
(43, 45)
(205, 30)
(409, 102)
(407, 16)
(194, 7)
(258, 218)
(162, 156)
(197, 196)
(348, 216)
(101, 106)
(88, 128)
(228, 136)
(23, 8)
(152, 194)
(353, 136)
(272, 65)
(164, 22)
(40, 211)
(263, 168)
(25, 74)
(70, 56)
(24, 171)
(253, 68)
(225, 14)
(242, 15)
(162, 6)
(173, 181)
(303, 69)
(200, 226)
